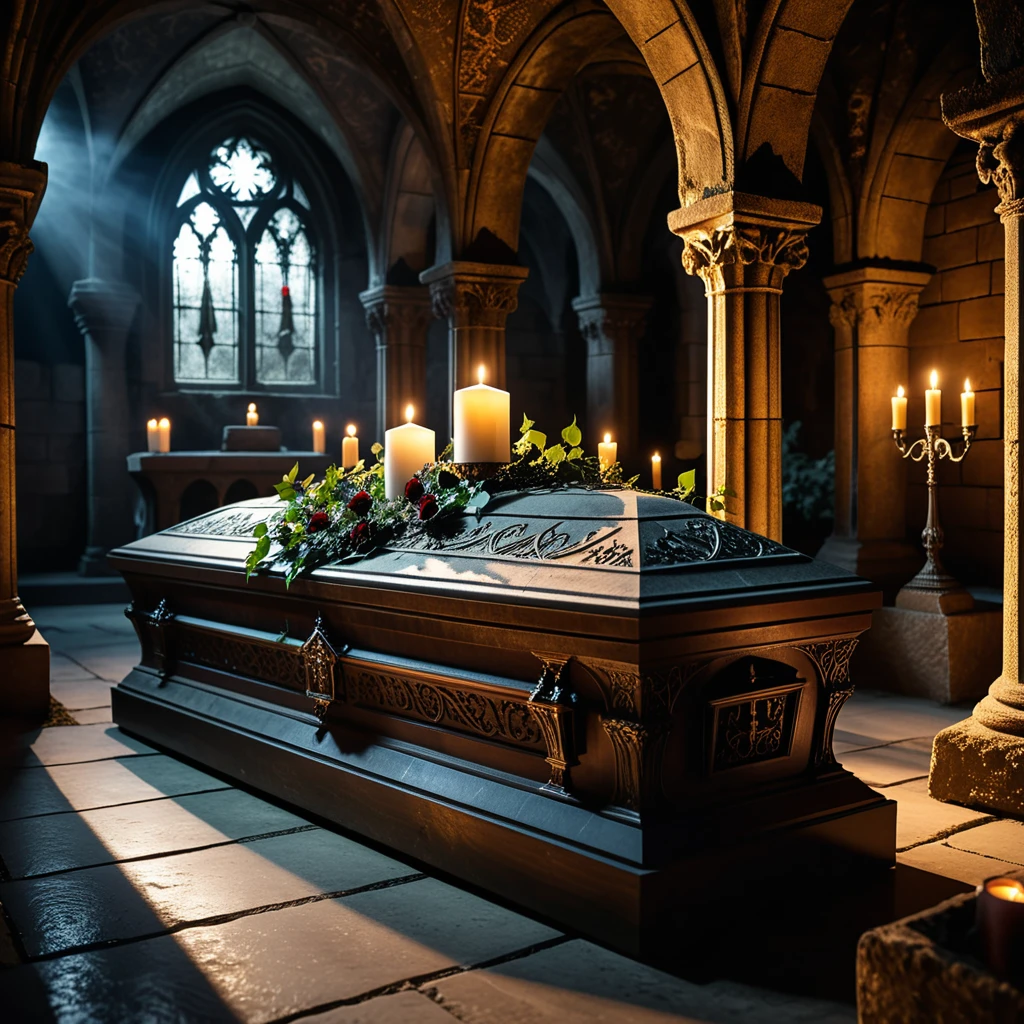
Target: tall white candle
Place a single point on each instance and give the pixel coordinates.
(164, 427)
(152, 436)
(482, 424)
(252, 418)
(607, 453)
(656, 471)
(967, 405)
(349, 447)
(407, 449)
(933, 403)
(319, 441)
(899, 410)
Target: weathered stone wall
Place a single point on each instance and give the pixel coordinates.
(959, 332)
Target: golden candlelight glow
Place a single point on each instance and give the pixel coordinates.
(152, 425)
(481, 373)
(935, 379)
(164, 424)
(351, 430)
(1006, 889)
(409, 413)
(607, 438)
(318, 425)
(967, 386)
(252, 407)
(900, 392)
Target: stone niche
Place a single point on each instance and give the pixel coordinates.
(593, 703)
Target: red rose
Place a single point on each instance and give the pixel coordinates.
(360, 503)
(318, 521)
(428, 506)
(414, 490)
(360, 533)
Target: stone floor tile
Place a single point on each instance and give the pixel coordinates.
(401, 1008)
(63, 669)
(71, 746)
(942, 859)
(91, 693)
(870, 717)
(273, 964)
(126, 901)
(580, 983)
(891, 764)
(61, 842)
(30, 791)
(108, 662)
(920, 818)
(1003, 840)
(90, 716)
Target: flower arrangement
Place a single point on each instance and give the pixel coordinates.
(347, 515)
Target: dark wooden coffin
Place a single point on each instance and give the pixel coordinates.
(594, 703)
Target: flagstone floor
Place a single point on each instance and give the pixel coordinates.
(135, 887)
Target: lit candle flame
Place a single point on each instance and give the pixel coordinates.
(351, 430)
(655, 457)
(1006, 889)
(165, 422)
(409, 412)
(935, 379)
(152, 424)
(318, 425)
(481, 373)
(900, 392)
(252, 407)
(607, 438)
(967, 385)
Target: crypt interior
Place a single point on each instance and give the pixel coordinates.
(752, 755)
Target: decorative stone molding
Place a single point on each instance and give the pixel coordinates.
(611, 316)
(706, 253)
(889, 304)
(638, 758)
(21, 189)
(475, 297)
(832, 660)
(1000, 161)
(396, 313)
(319, 658)
(103, 309)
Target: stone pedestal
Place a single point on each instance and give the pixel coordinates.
(872, 309)
(24, 656)
(398, 317)
(612, 326)
(104, 311)
(742, 247)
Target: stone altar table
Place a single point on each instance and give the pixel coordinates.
(599, 704)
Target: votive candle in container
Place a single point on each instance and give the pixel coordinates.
(481, 420)
(407, 449)
(252, 417)
(349, 447)
(164, 426)
(152, 436)
(1000, 921)
(319, 441)
(933, 403)
(899, 409)
(607, 453)
(656, 471)
(967, 405)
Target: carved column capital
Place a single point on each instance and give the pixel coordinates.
(1000, 161)
(606, 315)
(876, 296)
(103, 308)
(397, 313)
(21, 189)
(474, 294)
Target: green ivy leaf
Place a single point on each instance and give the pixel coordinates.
(536, 438)
(285, 491)
(527, 424)
(555, 454)
(260, 531)
(688, 481)
(575, 453)
(309, 479)
(571, 435)
(292, 474)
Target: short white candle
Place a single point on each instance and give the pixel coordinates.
(482, 424)
(967, 405)
(899, 409)
(319, 441)
(656, 471)
(164, 427)
(349, 447)
(933, 403)
(407, 449)
(607, 453)
(252, 418)
(152, 436)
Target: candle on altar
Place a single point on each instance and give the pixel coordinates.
(933, 403)
(967, 405)
(481, 424)
(1000, 920)
(899, 409)
(252, 418)
(407, 449)
(319, 441)
(656, 471)
(349, 447)
(607, 453)
(164, 426)
(152, 436)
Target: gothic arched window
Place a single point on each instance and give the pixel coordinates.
(244, 273)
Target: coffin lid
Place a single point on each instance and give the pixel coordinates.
(609, 550)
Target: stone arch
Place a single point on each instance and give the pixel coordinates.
(841, 204)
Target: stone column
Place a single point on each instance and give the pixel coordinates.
(742, 247)
(24, 655)
(104, 311)
(476, 299)
(612, 326)
(872, 309)
(980, 761)
(398, 318)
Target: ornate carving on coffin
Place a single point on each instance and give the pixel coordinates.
(279, 664)
(552, 702)
(649, 695)
(638, 751)
(751, 728)
(319, 659)
(832, 660)
(153, 629)
(229, 522)
(705, 539)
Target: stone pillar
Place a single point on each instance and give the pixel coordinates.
(24, 655)
(476, 299)
(872, 309)
(104, 311)
(980, 761)
(398, 318)
(742, 247)
(612, 326)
